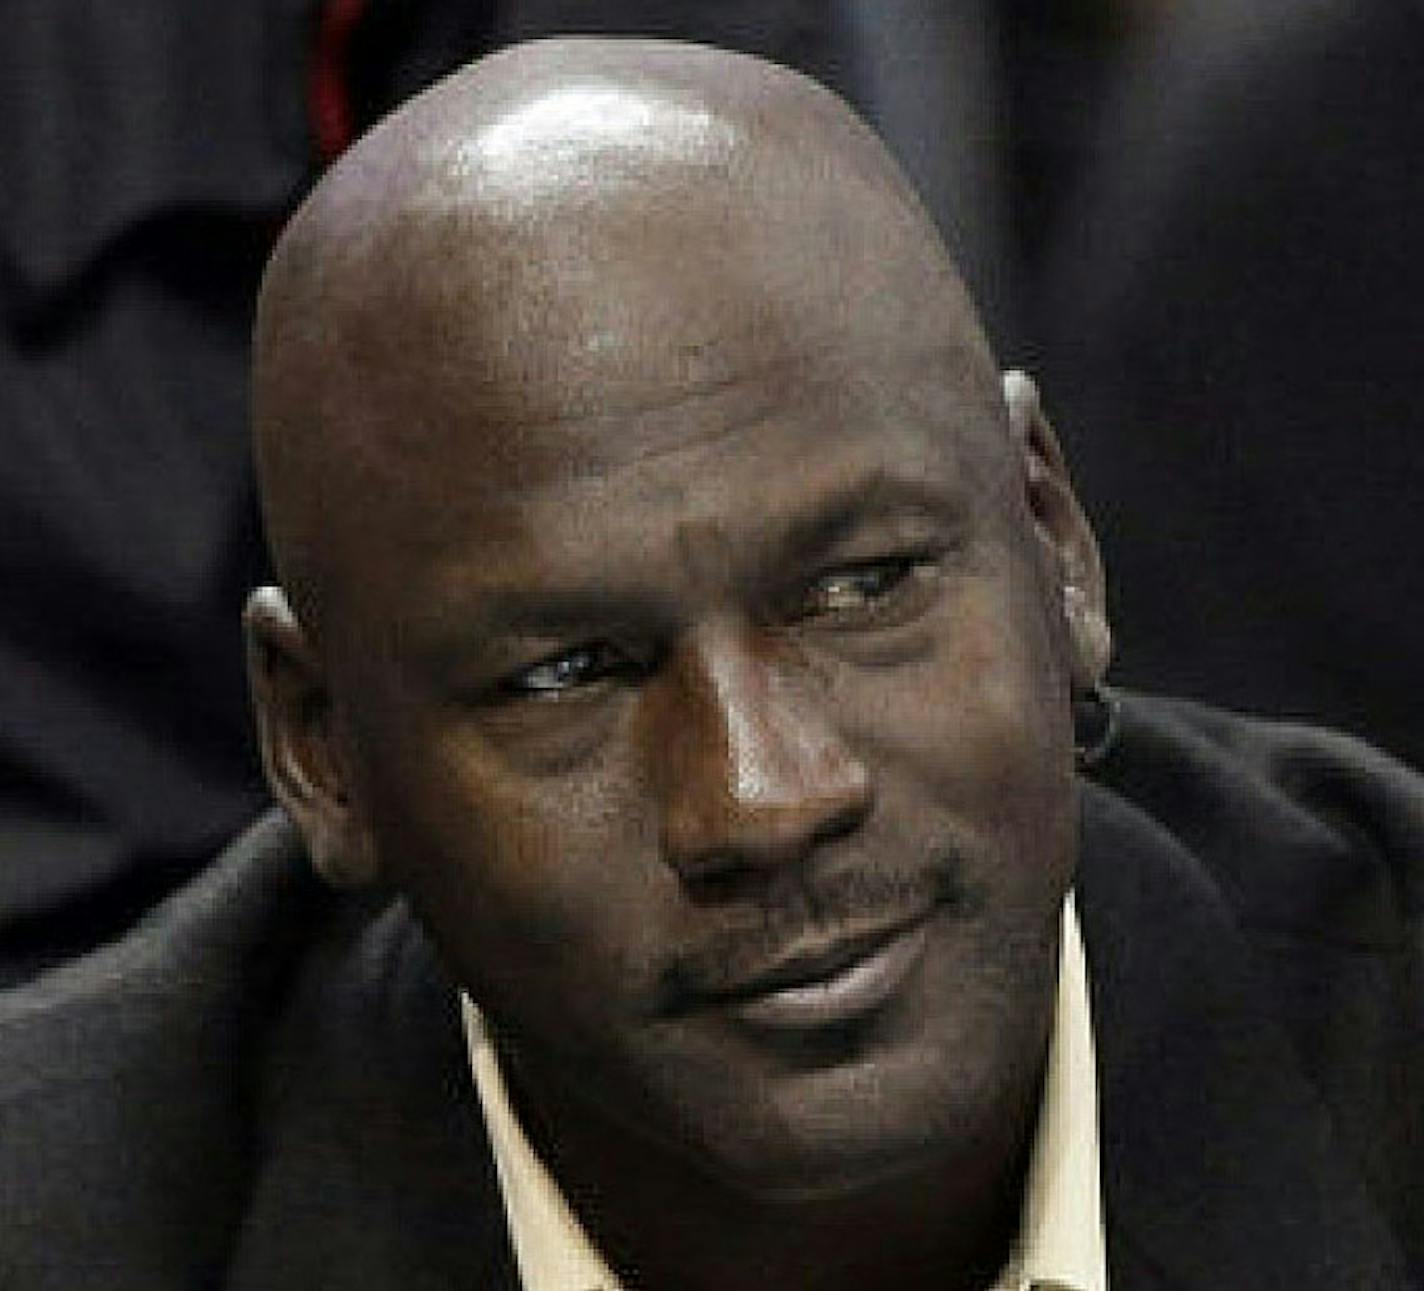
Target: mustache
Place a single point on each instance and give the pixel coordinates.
(803, 907)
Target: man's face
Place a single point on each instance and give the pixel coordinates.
(720, 737)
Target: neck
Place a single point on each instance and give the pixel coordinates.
(909, 1236)
(946, 1225)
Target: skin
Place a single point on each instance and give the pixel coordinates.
(672, 590)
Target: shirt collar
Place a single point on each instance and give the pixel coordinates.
(1060, 1246)
(553, 1251)
(1060, 1242)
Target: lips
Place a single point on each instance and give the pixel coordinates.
(830, 983)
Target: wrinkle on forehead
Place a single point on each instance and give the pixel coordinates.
(827, 384)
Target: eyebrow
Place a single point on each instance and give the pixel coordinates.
(836, 515)
(554, 611)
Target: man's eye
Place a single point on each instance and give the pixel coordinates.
(861, 589)
(559, 674)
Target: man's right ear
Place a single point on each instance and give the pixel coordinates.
(1062, 525)
(300, 752)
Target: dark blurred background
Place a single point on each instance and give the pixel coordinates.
(1199, 222)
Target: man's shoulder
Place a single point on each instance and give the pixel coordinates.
(125, 1075)
(1305, 830)
(260, 1085)
(219, 941)
(1251, 901)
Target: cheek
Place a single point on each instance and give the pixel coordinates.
(986, 701)
(540, 891)
(979, 726)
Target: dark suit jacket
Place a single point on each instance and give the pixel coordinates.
(266, 1087)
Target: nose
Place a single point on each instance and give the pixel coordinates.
(750, 768)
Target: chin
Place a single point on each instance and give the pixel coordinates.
(835, 1174)
(864, 1128)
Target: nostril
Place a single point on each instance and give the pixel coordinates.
(722, 879)
(843, 819)
(723, 854)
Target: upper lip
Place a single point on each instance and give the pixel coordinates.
(807, 961)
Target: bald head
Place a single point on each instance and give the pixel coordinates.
(563, 235)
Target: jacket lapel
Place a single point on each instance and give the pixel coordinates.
(1221, 1166)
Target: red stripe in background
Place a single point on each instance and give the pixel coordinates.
(333, 118)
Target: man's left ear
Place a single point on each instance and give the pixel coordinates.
(1062, 526)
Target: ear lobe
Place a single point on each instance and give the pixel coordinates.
(1091, 638)
(1063, 528)
(300, 756)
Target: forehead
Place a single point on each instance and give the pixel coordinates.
(563, 291)
(706, 495)
(630, 356)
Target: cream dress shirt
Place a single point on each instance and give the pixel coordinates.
(1060, 1244)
